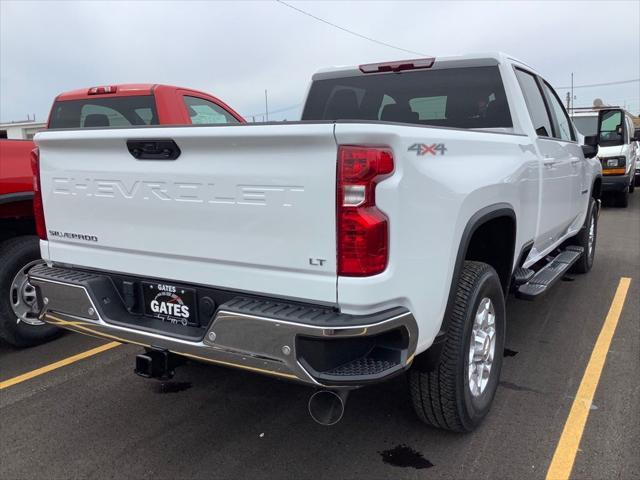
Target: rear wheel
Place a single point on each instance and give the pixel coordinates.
(458, 393)
(19, 323)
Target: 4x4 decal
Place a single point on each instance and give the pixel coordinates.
(424, 149)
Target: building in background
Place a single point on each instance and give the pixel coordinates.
(21, 130)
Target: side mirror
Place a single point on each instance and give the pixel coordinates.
(591, 140)
(589, 151)
(590, 147)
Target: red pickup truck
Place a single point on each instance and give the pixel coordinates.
(113, 105)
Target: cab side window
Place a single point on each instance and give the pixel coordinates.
(535, 103)
(564, 130)
(204, 112)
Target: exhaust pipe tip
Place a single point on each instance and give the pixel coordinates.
(326, 407)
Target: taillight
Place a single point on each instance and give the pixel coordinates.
(38, 210)
(363, 230)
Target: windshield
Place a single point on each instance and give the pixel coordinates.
(104, 112)
(587, 125)
(470, 97)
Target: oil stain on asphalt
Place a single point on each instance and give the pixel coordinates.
(509, 353)
(404, 456)
(518, 388)
(173, 387)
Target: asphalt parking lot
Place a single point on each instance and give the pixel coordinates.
(94, 418)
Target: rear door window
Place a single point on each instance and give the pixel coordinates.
(535, 103)
(466, 97)
(204, 112)
(104, 112)
(564, 131)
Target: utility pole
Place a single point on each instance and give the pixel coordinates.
(266, 105)
(572, 97)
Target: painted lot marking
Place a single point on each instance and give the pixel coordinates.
(53, 366)
(565, 454)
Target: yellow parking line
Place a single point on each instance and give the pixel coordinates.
(565, 454)
(53, 366)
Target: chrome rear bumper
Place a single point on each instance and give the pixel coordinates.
(310, 344)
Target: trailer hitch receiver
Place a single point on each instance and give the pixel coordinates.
(157, 363)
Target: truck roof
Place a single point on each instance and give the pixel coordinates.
(593, 111)
(122, 89)
(468, 60)
(583, 113)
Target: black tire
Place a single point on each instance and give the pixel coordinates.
(15, 254)
(584, 264)
(442, 397)
(632, 185)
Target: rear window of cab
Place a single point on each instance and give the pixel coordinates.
(465, 97)
(104, 112)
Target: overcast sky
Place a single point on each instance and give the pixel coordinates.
(237, 49)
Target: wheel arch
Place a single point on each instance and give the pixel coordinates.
(502, 213)
(16, 215)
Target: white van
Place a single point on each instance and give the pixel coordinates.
(618, 148)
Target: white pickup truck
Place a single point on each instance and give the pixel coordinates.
(381, 234)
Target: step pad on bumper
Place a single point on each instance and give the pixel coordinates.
(299, 313)
(361, 367)
(65, 275)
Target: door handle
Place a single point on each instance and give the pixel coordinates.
(153, 149)
(575, 162)
(550, 163)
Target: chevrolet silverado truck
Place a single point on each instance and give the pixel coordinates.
(113, 105)
(379, 235)
(617, 147)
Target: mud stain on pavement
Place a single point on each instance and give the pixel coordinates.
(406, 457)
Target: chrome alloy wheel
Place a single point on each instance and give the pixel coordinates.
(22, 296)
(482, 347)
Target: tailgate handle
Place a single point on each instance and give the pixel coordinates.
(160, 149)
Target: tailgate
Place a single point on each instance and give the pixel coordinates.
(249, 208)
